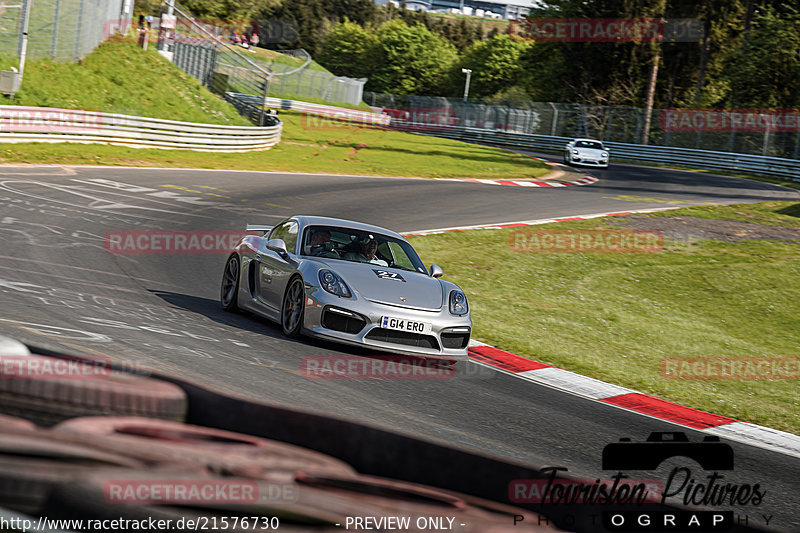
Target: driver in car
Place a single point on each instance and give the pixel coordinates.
(369, 247)
(320, 245)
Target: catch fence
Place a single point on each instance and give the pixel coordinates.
(204, 50)
(64, 30)
(772, 133)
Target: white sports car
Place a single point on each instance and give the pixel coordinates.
(586, 152)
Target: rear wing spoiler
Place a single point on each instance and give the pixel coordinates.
(258, 227)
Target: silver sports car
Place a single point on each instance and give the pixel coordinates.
(348, 282)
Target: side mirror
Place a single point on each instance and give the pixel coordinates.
(436, 271)
(277, 245)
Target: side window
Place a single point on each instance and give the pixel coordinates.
(288, 233)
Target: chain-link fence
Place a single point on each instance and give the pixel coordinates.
(212, 52)
(61, 29)
(317, 85)
(761, 132)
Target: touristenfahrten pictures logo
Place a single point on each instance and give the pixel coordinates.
(684, 500)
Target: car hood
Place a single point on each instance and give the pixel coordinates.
(420, 291)
(590, 152)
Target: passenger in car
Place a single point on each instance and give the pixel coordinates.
(367, 254)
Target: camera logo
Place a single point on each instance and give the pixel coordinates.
(710, 453)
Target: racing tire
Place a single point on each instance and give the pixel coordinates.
(229, 289)
(31, 464)
(48, 398)
(214, 449)
(13, 422)
(293, 308)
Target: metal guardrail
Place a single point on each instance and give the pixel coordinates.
(257, 114)
(707, 160)
(45, 124)
(337, 113)
(667, 155)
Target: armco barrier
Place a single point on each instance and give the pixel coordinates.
(44, 124)
(337, 113)
(667, 155)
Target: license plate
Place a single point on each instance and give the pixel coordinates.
(402, 324)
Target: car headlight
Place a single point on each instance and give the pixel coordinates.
(458, 303)
(604, 154)
(575, 152)
(331, 282)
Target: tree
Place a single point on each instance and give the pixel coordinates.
(313, 18)
(349, 50)
(765, 73)
(495, 65)
(410, 60)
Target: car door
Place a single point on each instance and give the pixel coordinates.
(274, 269)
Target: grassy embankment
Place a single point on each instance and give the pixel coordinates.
(118, 77)
(615, 316)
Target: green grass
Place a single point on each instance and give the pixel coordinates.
(119, 77)
(310, 145)
(105, 81)
(614, 317)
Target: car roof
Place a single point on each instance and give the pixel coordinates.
(586, 139)
(306, 220)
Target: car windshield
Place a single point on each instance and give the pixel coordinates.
(359, 246)
(589, 144)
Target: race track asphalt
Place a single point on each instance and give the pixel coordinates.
(60, 289)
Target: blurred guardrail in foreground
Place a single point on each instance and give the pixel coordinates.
(46, 124)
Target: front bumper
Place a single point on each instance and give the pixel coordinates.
(578, 160)
(326, 316)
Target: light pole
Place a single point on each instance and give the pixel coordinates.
(468, 72)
